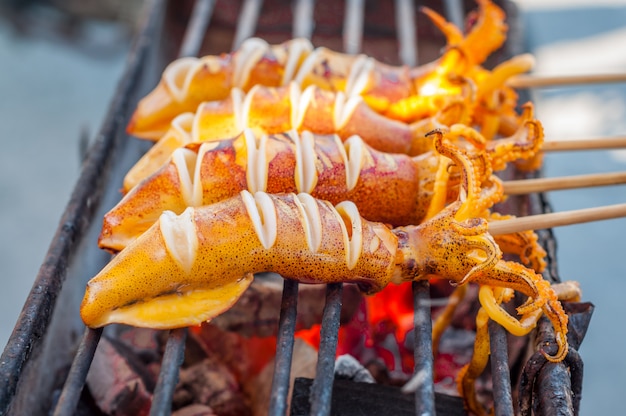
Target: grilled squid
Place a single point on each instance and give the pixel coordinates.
(390, 188)
(398, 91)
(275, 110)
(269, 110)
(189, 268)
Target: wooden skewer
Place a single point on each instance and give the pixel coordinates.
(618, 142)
(556, 219)
(542, 81)
(527, 186)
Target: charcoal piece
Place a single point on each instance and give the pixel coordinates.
(195, 410)
(116, 387)
(352, 398)
(212, 384)
(256, 313)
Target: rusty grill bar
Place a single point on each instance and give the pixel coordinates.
(35, 318)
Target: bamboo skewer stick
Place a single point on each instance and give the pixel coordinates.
(618, 142)
(527, 186)
(557, 219)
(542, 81)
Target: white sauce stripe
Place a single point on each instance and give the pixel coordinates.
(302, 105)
(237, 96)
(306, 173)
(262, 213)
(249, 54)
(355, 149)
(197, 179)
(183, 126)
(359, 76)
(311, 220)
(353, 163)
(185, 161)
(354, 245)
(244, 121)
(343, 114)
(180, 237)
(297, 48)
(308, 65)
(178, 75)
(257, 170)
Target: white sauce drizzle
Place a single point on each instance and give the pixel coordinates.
(262, 213)
(359, 75)
(244, 120)
(249, 54)
(350, 217)
(307, 66)
(311, 220)
(183, 126)
(302, 105)
(294, 99)
(306, 173)
(343, 112)
(181, 239)
(197, 195)
(185, 162)
(237, 97)
(257, 172)
(297, 48)
(178, 75)
(353, 163)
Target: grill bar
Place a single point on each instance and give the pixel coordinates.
(248, 19)
(423, 350)
(78, 372)
(168, 376)
(454, 12)
(322, 388)
(353, 26)
(303, 23)
(198, 24)
(502, 399)
(284, 348)
(407, 28)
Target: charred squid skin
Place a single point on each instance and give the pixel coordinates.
(187, 269)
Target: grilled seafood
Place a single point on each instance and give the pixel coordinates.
(401, 92)
(319, 111)
(270, 110)
(188, 268)
(391, 188)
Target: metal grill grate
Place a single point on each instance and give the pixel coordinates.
(36, 317)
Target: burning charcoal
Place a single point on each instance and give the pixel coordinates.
(211, 383)
(115, 386)
(303, 365)
(195, 410)
(144, 342)
(257, 311)
(348, 368)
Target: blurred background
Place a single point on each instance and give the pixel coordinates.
(60, 62)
